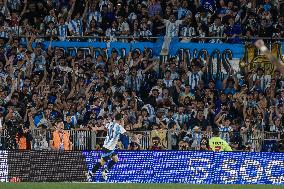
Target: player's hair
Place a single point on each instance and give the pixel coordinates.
(216, 132)
(118, 117)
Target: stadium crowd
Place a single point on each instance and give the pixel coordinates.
(40, 86)
(224, 20)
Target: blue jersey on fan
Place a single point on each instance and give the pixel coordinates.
(209, 5)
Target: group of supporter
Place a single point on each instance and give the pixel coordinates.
(232, 21)
(175, 100)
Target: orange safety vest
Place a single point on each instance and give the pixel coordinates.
(57, 140)
(22, 142)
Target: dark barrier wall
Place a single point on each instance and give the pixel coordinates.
(50, 166)
(147, 167)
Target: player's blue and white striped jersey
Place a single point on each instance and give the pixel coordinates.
(114, 130)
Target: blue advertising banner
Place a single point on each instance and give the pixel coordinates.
(69, 44)
(237, 49)
(194, 167)
(155, 47)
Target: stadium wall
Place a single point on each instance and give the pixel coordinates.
(146, 167)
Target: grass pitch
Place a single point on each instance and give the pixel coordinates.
(128, 186)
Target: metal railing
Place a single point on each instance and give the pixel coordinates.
(256, 139)
(3, 138)
(81, 140)
(143, 138)
(273, 135)
(154, 37)
(88, 140)
(243, 40)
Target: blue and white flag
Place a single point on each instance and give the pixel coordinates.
(209, 5)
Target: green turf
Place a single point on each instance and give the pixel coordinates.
(128, 186)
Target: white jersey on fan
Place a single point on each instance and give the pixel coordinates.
(172, 28)
(114, 130)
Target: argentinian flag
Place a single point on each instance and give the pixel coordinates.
(40, 120)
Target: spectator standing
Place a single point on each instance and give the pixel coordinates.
(172, 30)
(24, 139)
(60, 138)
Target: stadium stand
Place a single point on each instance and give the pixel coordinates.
(168, 103)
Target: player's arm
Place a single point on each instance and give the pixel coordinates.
(260, 45)
(121, 130)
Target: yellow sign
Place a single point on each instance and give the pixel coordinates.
(253, 59)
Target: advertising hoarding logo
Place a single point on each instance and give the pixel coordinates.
(3, 166)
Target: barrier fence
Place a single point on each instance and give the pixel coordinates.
(89, 140)
(3, 139)
(130, 37)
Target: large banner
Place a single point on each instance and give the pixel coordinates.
(237, 50)
(194, 167)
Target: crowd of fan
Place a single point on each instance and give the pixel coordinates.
(40, 86)
(141, 19)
